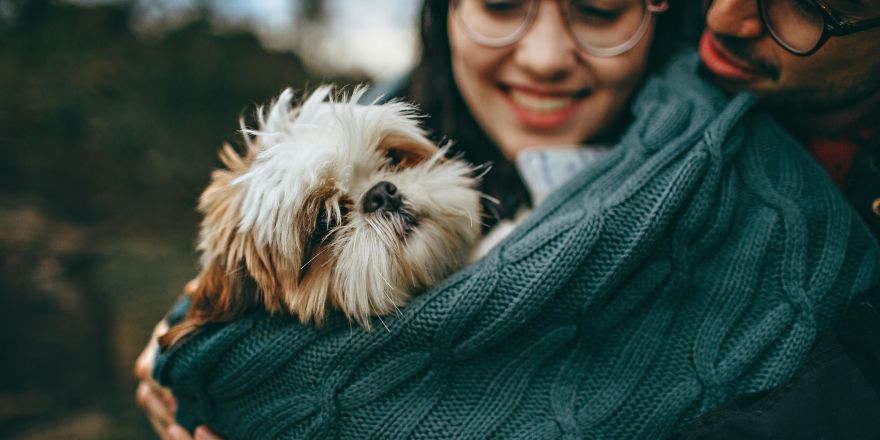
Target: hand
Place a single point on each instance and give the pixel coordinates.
(156, 400)
(176, 432)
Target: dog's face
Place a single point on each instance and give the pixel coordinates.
(334, 205)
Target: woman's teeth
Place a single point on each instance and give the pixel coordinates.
(542, 104)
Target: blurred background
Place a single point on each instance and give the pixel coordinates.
(111, 114)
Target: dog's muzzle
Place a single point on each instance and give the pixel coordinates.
(383, 196)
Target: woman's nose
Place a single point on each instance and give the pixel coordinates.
(546, 51)
(735, 18)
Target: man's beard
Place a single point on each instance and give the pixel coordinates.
(813, 98)
(822, 98)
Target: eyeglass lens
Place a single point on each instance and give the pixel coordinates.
(605, 24)
(796, 24)
(495, 20)
(599, 24)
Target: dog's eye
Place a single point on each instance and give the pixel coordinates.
(327, 220)
(322, 227)
(401, 157)
(394, 158)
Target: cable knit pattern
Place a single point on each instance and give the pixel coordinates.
(696, 262)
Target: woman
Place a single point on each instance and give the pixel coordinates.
(502, 77)
(521, 75)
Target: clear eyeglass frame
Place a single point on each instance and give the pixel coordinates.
(651, 8)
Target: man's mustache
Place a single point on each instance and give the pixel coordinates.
(741, 49)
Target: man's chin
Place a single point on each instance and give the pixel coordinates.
(728, 86)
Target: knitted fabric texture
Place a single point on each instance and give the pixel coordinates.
(696, 262)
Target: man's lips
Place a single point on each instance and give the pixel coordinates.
(724, 64)
(543, 109)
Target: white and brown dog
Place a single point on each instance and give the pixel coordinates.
(333, 205)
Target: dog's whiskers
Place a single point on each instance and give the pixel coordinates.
(383, 324)
(306, 264)
(387, 283)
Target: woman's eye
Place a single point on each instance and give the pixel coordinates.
(504, 6)
(589, 11)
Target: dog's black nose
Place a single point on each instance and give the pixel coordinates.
(384, 196)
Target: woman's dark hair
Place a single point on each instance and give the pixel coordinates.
(433, 88)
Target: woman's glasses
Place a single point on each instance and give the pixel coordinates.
(803, 26)
(600, 27)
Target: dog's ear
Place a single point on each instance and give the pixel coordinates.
(230, 286)
(223, 291)
(220, 296)
(408, 149)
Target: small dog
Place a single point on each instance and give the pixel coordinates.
(333, 205)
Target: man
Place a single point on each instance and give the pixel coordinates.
(814, 65)
(824, 88)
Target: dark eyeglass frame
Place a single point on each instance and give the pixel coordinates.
(833, 26)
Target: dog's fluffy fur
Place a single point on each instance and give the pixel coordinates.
(285, 226)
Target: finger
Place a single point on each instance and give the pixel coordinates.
(160, 429)
(177, 432)
(205, 433)
(160, 329)
(155, 391)
(143, 365)
(191, 286)
(169, 400)
(143, 370)
(154, 404)
(159, 426)
(165, 395)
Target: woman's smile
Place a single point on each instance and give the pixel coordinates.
(543, 110)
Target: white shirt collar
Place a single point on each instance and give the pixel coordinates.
(545, 169)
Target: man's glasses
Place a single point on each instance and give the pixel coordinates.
(599, 27)
(803, 26)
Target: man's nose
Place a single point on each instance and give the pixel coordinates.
(735, 18)
(546, 51)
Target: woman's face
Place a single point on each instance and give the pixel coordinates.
(543, 90)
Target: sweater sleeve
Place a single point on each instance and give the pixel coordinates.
(834, 394)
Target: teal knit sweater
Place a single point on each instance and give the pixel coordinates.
(696, 262)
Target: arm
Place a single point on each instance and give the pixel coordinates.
(835, 393)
